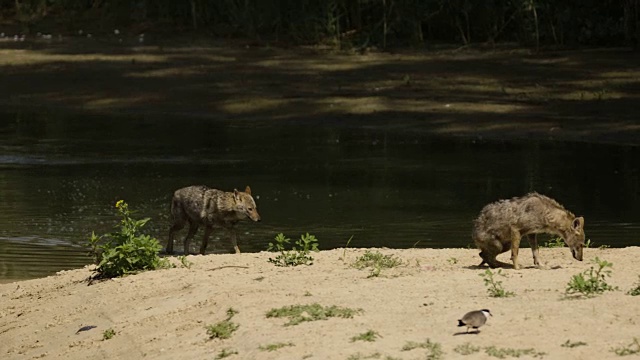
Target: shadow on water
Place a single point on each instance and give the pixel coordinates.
(394, 186)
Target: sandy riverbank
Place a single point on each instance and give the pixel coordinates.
(163, 314)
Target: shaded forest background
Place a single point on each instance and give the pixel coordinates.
(345, 23)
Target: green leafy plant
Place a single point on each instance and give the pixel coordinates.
(225, 328)
(376, 261)
(312, 312)
(570, 344)
(636, 290)
(366, 336)
(108, 334)
(494, 287)
(225, 353)
(592, 281)
(125, 251)
(434, 349)
(466, 349)
(274, 346)
(298, 255)
(502, 353)
(631, 349)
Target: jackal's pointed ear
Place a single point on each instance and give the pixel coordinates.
(236, 195)
(248, 190)
(578, 223)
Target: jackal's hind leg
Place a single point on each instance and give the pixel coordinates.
(491, 251)
(193, 228)
(205, 240)
(175, 227)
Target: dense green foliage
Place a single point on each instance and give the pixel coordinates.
(347, 23)
(127, 250)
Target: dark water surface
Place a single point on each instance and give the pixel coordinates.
(391, 184)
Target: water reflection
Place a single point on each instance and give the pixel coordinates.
(394, 186)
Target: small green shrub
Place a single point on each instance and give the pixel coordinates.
(274, 346)
(494, 287)
(434, 349)
(125, 251)
(108, 334)
(466, 349)
(298, 255)
(636, 290)
(223, 329)
(592, 281)
(366, 336)
(631, 349)
(313, 312)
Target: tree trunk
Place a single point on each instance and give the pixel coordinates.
(194, 15)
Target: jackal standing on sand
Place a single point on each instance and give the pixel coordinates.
(502, 224)
(200, 205)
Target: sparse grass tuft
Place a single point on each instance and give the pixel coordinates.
(434, 349)
(274, 346)
(502, 353)
(225, 353)
(223, 329)
(494, 287)
(569, 344)
(631, 349)
(376, 261)
(592, 281)
(108, 334)
(452, 260)
(366, 336)
(466, 349)
(360, 356)
(313, 312)
(636, 290)
(556, 242)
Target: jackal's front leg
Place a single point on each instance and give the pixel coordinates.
(234, 240)
(515, 246)
(533, 242)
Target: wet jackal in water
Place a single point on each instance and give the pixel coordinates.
(502, 224)
(200, 205)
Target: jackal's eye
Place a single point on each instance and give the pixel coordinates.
(250, 209)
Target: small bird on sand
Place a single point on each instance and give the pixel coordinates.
(475, 319)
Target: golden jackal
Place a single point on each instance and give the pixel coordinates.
(502, 224)
(200, 205)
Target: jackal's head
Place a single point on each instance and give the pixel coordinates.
(245, 205)
(575, 238)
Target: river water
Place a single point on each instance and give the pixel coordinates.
(385, 184)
